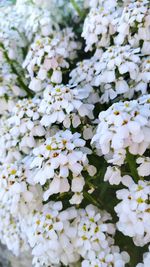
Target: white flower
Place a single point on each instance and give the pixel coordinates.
(34, 19)
(20, 130)
(48, 56)
(16, 191)
(56, 77)
(11, 232)
(61, 104)
(124, 125)
(56, 159)
(113, 175)
(99, 25)
(110, 74)
(83, 76)
(110, 257)
(110, 71)
(133, 25)
(35, 85)
(144, 168)
(133, 212)
(50, 235)
(76, 199)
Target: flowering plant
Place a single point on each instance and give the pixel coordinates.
(75, 131)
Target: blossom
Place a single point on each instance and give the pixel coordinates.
(99, 25)
(70, 234)
(109, 257)
(61, 104)
(144, 167)
(134, 25)
(84, 74)
(11, 232)
(125, 125)
(23, 126)
(113, 175)
(48, 56)
(117, 66)
(75, 129)
(50, 234)
(16, 189)
(133, 212)
(60, 156)
(94, 239)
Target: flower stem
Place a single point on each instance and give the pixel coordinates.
(131, 161)
(92, 200)
(76, 7)
(14, 70)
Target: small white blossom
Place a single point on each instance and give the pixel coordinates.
(48, 56)
(99, 25)
(124, 125)
(56, 159)
(50, 235)
(113, 175)
(134, 212)
(144, 167)
(117, 67)
(20, 130)
(134, 24)
(61, 104)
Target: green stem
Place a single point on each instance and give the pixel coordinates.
(92, 200)
(76, 7)
(14, 70)
(131, 161)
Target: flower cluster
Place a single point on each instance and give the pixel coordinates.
(61, 104)
(124, 126)
(100, 24)
(75, 131)
(59, 159)
(134, 25)
(49, 57)
(17, 198)
(19, 131)
(71, 234)
(134, 212)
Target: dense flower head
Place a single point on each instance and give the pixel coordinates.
(117, 71)
(134, 25)
(9, 34)
(62, 157)
(36, 20)
(11, 232)
(50, 235)
(125, 125)
(71, 234)
(49, 56)
(117, 66)
(63, 104)
(93, 232)
(20, 130)
(75, 132)
(134, 212)
(16, 189)
(100, 24)
(109, 257)
(9, 89)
